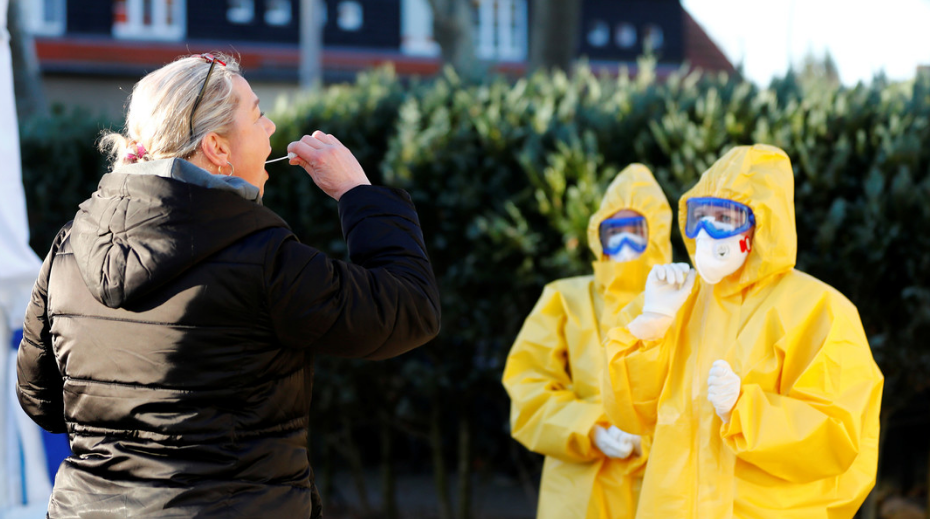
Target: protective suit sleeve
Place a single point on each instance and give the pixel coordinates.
(546, 415)
(38, 381)
(636, 371)
(637, 464)
(812, 427)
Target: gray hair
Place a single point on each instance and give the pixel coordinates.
(160, 110)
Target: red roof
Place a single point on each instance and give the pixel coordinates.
(700, 51)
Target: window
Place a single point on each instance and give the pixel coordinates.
(501, 29)
(240, 11)
(277, 12)
(625, 35)
(598, 33)
(45, 17)
(149, 19)
(416, 29)
(349, 16)
(653, 38)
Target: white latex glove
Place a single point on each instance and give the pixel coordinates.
(649, 326)
(667, 288)
(615, 443)
(722, 389)
(627, 440)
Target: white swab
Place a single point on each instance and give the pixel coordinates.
(289, 156)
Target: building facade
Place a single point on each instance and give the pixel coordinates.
(84, 45)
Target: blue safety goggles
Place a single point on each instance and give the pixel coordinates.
(634, 225)
(719, 217)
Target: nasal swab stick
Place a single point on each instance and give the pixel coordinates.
(289, 156)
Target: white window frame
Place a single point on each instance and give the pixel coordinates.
(618, 32)
(134, 29)
(271, 15)
(241, 15)
(34, 12)
(603, 30)
(649, 35)
(340, 13)
(416, 29)
(501, 30)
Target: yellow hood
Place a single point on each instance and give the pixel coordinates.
(635, 188)
(758, 176)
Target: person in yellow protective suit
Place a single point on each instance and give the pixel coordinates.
(553, 374)
(756, 380)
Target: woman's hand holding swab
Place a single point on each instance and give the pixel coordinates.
(331, 165)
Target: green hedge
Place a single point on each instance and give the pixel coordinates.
(505, 174)
(61, 167)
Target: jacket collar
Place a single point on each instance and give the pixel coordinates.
(180, 169)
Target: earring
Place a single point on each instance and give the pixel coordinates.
(233, 169)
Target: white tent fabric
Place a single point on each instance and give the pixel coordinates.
(25, 486)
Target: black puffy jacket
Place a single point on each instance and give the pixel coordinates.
(171, 334)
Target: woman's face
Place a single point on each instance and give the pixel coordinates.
(249, 138)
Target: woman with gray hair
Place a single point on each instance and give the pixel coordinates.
(173, 326)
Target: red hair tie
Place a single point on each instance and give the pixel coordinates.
(134, 156)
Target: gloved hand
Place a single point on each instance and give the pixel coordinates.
(722, 389)
(667, 288)
(615, 443)
(630, 441)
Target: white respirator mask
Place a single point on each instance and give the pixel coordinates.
(717, 259)
(627, 251)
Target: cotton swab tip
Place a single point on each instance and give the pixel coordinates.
(289, 156)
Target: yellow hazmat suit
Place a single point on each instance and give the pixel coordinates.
(553, 373)
(802, 441)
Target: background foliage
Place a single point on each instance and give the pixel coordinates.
(505, 174)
